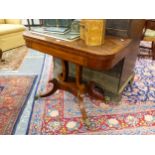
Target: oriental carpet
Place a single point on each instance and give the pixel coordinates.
(14, 93)
(135, 113)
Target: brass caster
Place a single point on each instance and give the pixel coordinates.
(107, 99)
(87, 123)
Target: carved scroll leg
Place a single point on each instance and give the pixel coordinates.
(95, 92)
(81, 91)
(57, 84)
(83, 111)
(52, 91)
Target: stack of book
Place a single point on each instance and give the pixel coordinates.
(61, 33)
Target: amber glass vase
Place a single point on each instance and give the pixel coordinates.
(92, 31)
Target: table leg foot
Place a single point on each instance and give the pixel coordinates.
(83, 112)
(52, 91)
(87, 123)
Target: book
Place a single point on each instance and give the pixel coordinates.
(58, 30)
(66, 37)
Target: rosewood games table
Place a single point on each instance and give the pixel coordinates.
(98, 58)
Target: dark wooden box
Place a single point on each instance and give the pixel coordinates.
(125, 28)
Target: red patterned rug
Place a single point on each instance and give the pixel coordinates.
(14, 92)
(135, 114)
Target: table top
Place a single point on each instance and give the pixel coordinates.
(97, 57)
(111, 46)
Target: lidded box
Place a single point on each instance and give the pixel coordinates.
(92, 31)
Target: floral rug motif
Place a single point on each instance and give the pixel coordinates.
(13, 58)
(135, 114)
(14, 92)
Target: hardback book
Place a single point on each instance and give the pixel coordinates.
(69, 36)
